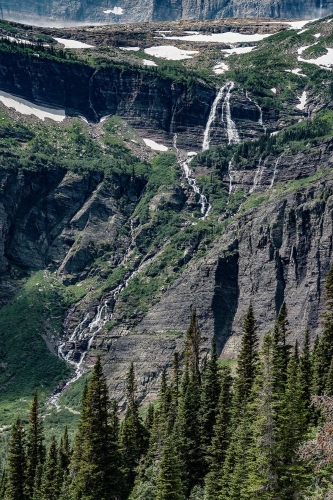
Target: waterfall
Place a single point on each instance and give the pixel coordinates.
(211, 119)
(185, 166)
(230, 178)
(257, 177)
(261, 119)
(275, 171)
(232, 132)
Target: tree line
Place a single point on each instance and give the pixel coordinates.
(256, 432)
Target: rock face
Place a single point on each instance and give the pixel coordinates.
(51, 12)
(155, 105)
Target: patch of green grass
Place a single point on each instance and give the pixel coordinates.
(36, 311)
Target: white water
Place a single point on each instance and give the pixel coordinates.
(88, 329)
(185, 166)
(257, 177)
(230, 178)
(275, 171)
(211, 118)
(261, 120)
(232, 132)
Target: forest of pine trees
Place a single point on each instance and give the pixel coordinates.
(263, 431)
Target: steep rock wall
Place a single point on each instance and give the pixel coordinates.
(49, 12)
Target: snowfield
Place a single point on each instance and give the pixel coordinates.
(73, 44)
(154, 145)
(170, 52)
(27, 108)
(325, 61)
(228, 37)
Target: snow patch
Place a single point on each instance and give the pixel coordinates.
(147, 62)
(220, 68)
(73, 44)
(302, 49)
(27, 108)
(135, 49)
(303, 99)
(237, 50)
(296, 71)
(325, 61)
(118, 11)
(170, 52)
(228, 37)
(154, 145)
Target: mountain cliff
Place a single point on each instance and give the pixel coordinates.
(50, 12)
(165, 188)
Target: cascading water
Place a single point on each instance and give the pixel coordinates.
(211, 118)
(233, 136)
(257, 177)
(230, 178)
(261, 119)
(275, 171)
(185, 166)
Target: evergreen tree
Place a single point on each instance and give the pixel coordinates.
(64, 452)
(93, 464)
(281, 351)
(192, 346)
(52, 476)
(246, 362)
(36, 448)
(187, 436)
(221, 438)
(209, 399)
(149, 417)
(169, 485)
(16, 487)
(263, 479)
(305, 371)
(329, 293)
(134, 437)
(292, 425)
(3, 484)
(329, 381)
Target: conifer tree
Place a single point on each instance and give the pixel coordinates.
(187, 436)
(149, 417)
(16, 487)
(92, 466)
(263, 478)
(36, 448)
(169, 484)
(281, 351)
(3, 484)
(64, 452)
(192, 346)
(134, 437)
(292, 421)
(246, 361)
(209, 399)
(305, 371)
(52, 476)
(221, 438)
